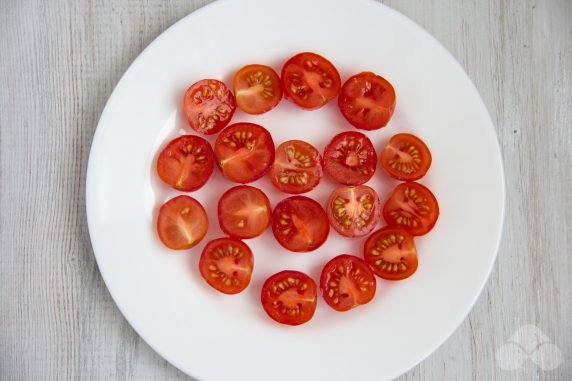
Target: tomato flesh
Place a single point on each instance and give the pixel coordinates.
(391, 253)
(350, 158)
(347, 282)
(353, 211)
(412, 207)
(244, 212)
(300, 224)
(257, 89)
(310, 81)
(367, 101)
(186, 163)
(297, 167)
(406, 157)
(226, 265)
(244, 152)
(289, 297)
(182, 223)
(209, 106)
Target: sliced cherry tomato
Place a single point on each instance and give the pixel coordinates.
(297, 167)
(406, 157)
(289, 297)
(209, 106)
(244, 152)
(391, 253)
(310, 80)
(300, 224)
(186, 163)
(244, 212)
(367, 101)
(350, 158)
(412, 207)
(347, 282)
(353, 211)
(182, 223)
(226, 264)
(257, 89)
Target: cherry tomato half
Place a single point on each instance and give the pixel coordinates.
(310, 80)
(186, 163)
(367, 101)
(347, 282)
(226, 265)
(406, 157)
(353, 211)
(244, 212)
(350, 158)
(300, 224)
(412, 207)
(297, 167)
(244, 152)
(257, 89)
(289, 297)
(391, 253)
(209, 106)
(182, 223)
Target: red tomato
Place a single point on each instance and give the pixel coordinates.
(257, 89)
(209, 106)
(300, 224)
(226, 264)
(391, 253)
(353, 211)
(182, 223)
(406, 157)
(367, 101)
(289, 297)
(186, 163)
(350, 158)
(244, 152)
(244, 212)
(310, 80)
(347, 282)
(297, 167)
(412, 207)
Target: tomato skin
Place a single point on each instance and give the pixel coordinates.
(350, 159)
(353, 211)
(367, 101)
(412, 207)
(289, 297)
(257, 89)
(297, 167)
(310, 80)
(347, 282)
(244, 152)
(226, 265)
(391, 253)
(244, 212)
(186, 163)
(406, 157)
(300, 224)
(182, 223)
(209, 106)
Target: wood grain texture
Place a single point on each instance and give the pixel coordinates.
(59, 61)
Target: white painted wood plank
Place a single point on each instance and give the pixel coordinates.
(60, 60)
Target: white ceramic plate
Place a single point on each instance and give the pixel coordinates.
(212, 336)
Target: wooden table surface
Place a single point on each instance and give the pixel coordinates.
(59, 62)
